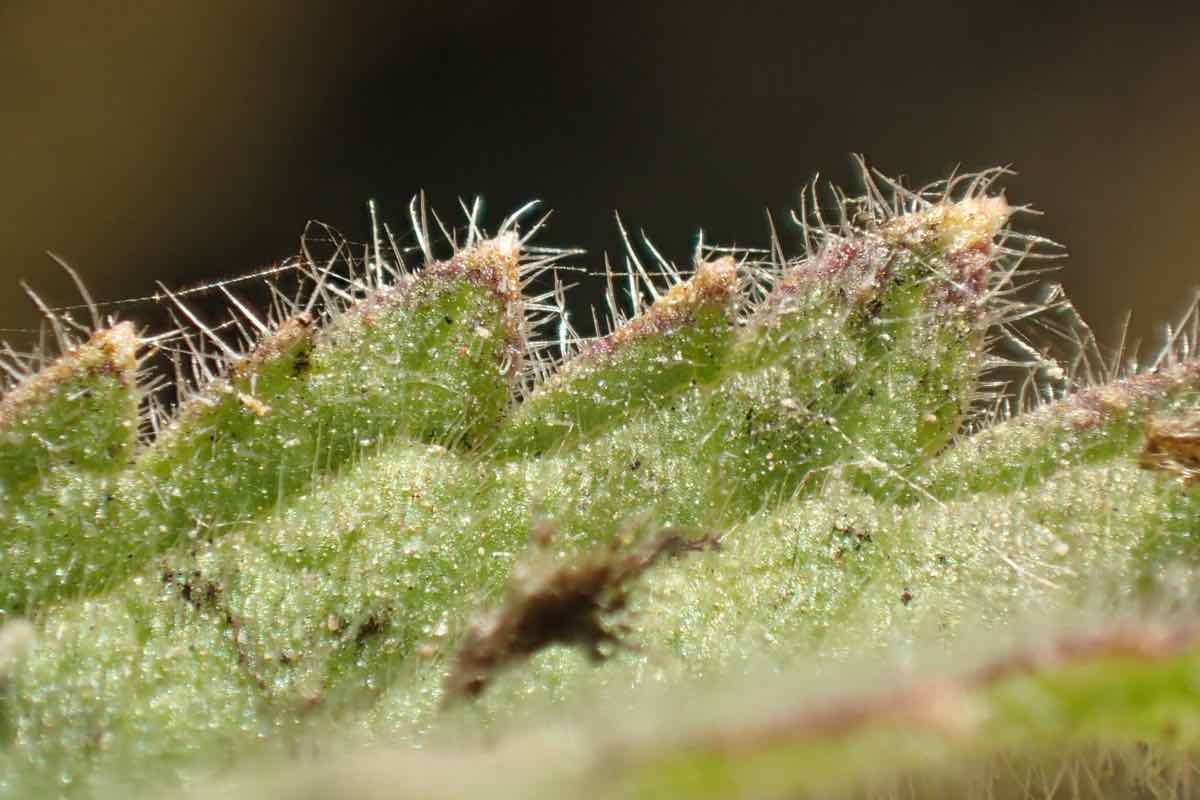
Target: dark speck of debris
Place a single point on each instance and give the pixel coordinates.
(1173, 446)
(562, 603)
(373, 625)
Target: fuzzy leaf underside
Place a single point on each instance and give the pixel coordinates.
(300, 555)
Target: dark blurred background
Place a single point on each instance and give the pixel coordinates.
(184, 142)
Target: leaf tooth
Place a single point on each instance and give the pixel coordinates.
(110, 350)
(678, 340)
